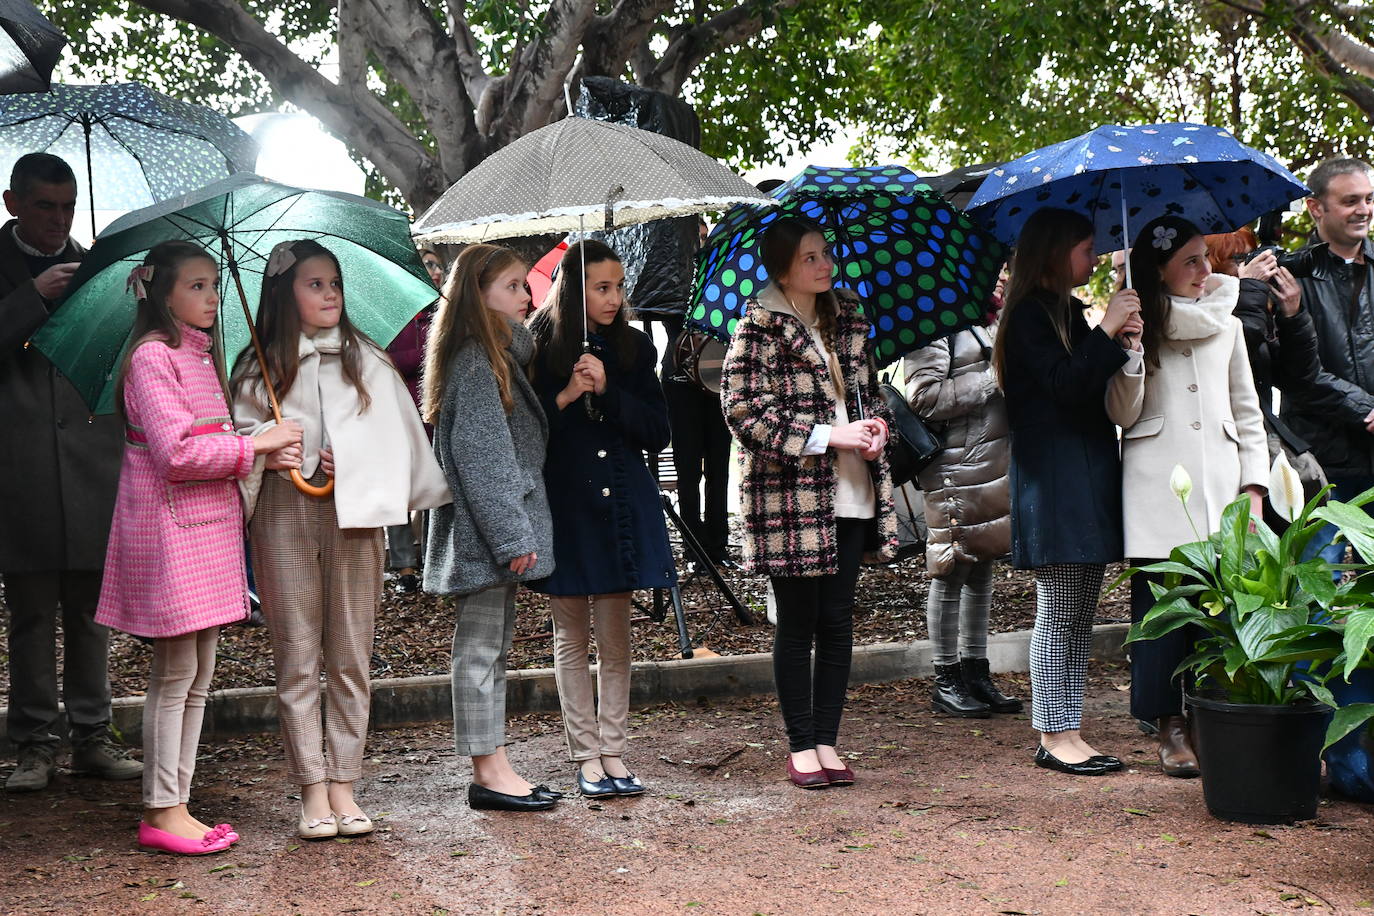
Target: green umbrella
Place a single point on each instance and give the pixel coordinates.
(237, 220)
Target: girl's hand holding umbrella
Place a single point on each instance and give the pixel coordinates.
(583, 381)
(280, 440)
(594, 369)
(879, 428)
(327, 462)
(1124, 306)
(859, 436)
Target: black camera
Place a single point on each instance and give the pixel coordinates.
(1299, 263)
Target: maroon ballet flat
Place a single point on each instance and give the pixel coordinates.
(817, 780)
(844, 776)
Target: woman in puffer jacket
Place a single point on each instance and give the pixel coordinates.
(951, 385)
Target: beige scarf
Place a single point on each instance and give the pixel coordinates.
(383, 463)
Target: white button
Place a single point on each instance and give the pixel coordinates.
(227, 426)
(205, 359)
(601, 453)
(605, 491)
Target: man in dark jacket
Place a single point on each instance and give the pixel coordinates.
(59, 470)
(1335, 414)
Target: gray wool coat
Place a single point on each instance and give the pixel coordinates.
(59, 465)
(494, 463)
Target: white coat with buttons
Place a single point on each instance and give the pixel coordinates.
(1198, 408)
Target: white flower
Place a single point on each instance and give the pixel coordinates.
(1181, 483)
(1164, 238)
(1285, 488)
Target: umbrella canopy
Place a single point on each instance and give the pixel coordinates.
(579, 175)
(1200, 173)
(29, 48)
(922, 268)
(237, 221)
(540, 277)
(135, 146)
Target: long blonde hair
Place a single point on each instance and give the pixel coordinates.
(1041, 264)
(462, 314)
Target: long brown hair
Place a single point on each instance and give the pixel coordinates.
(1040, 264)
(1147, 260)
(154, 321)
(777, 250)
(279, 329)
(463, 314)
(557, 326)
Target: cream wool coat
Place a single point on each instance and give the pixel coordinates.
(1198, 409)
(384, 467)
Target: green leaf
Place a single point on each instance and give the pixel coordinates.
(1359, 629)
(1346, 720)
(1354, 523)
(1235, 522)
(1315, 578)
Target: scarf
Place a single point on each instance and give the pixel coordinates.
(1196, 319)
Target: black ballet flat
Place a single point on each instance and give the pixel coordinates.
(546, 792)
(480, 798)
(1109, 763)
(629, 785)
(1090, 767)
(598, 788)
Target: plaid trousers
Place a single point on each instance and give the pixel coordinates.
(320, 587)
(482, 638)
(1066, 598)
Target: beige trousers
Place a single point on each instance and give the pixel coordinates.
(173, 712)
(593, 731)
(320, 587)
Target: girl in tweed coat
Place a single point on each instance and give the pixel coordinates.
(815, 487)
(490, 436)
(174, 565)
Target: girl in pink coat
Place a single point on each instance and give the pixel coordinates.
(174, 568)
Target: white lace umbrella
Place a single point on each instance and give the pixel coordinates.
(579, 175)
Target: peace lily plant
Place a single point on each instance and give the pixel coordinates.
(1276, 628)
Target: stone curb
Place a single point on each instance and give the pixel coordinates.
(398, 702)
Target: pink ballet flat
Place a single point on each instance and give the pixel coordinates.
(226, 831)
(150, 839)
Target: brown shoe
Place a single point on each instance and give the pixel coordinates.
(1176, 754)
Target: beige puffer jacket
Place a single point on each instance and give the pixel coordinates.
(951, 385)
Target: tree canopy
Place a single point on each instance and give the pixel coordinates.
(422, 90)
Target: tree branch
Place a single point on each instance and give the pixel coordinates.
(612, 39)
(533, 89)
(694, 44)
(475, 76)
(349, 110)
(352, 48)
(1352, 87)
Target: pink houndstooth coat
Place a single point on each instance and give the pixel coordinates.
(175, 559)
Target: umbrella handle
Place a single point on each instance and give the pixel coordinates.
(297, 478)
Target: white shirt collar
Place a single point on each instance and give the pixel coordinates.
(31, 251)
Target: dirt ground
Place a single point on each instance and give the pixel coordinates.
(949, 816)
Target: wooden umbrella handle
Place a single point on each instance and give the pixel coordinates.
(297, 477)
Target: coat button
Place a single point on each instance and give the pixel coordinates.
(605, 491)
(1187, 351)
(61, 423)
(948, 481)
(227, 426)
(1193, 387)
(205, 359)
(601, 453)
(1197, 425)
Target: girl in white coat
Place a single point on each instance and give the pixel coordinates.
(1186, 398)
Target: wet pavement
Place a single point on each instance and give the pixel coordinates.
(948, 816)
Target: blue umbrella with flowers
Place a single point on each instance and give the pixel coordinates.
(922, 268)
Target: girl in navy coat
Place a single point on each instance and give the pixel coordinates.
(605, 409)
(1065, 464)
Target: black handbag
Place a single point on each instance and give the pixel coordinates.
(913, 444)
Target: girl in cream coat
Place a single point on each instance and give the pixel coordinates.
(1187, 398)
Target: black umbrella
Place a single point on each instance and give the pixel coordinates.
(29, 48)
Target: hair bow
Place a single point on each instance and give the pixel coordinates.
(138, 281)
(280, 260)
(1164, 238)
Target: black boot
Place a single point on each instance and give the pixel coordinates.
(982, 687)
(950, 697)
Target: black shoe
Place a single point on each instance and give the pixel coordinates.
(546, 792)
(1109, 763)
(982, 687)
(629, 785)
(480, 798)
(598, 789)
(950, 697)
(1090, 767)
(410, 583)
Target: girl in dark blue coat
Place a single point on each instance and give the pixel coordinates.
(1065, 464)
(606, 409)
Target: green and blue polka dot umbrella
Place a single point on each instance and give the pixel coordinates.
(922, 268)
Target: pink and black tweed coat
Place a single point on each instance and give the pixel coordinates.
(774, 391)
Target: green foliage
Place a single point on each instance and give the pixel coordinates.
(1264, 611)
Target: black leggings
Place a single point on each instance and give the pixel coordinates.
(819, 610)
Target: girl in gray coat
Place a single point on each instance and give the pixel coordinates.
(490, 436)
(950, 384)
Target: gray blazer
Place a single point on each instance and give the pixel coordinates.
(494, 463)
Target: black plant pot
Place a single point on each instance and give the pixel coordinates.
(1260, 764)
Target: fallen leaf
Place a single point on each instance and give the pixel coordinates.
(368, 883)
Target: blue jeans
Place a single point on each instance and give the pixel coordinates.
(1343, 488)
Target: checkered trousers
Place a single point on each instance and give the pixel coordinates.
(1066, 598)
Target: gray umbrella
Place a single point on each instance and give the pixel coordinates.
(581, 174)
(30, 46)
